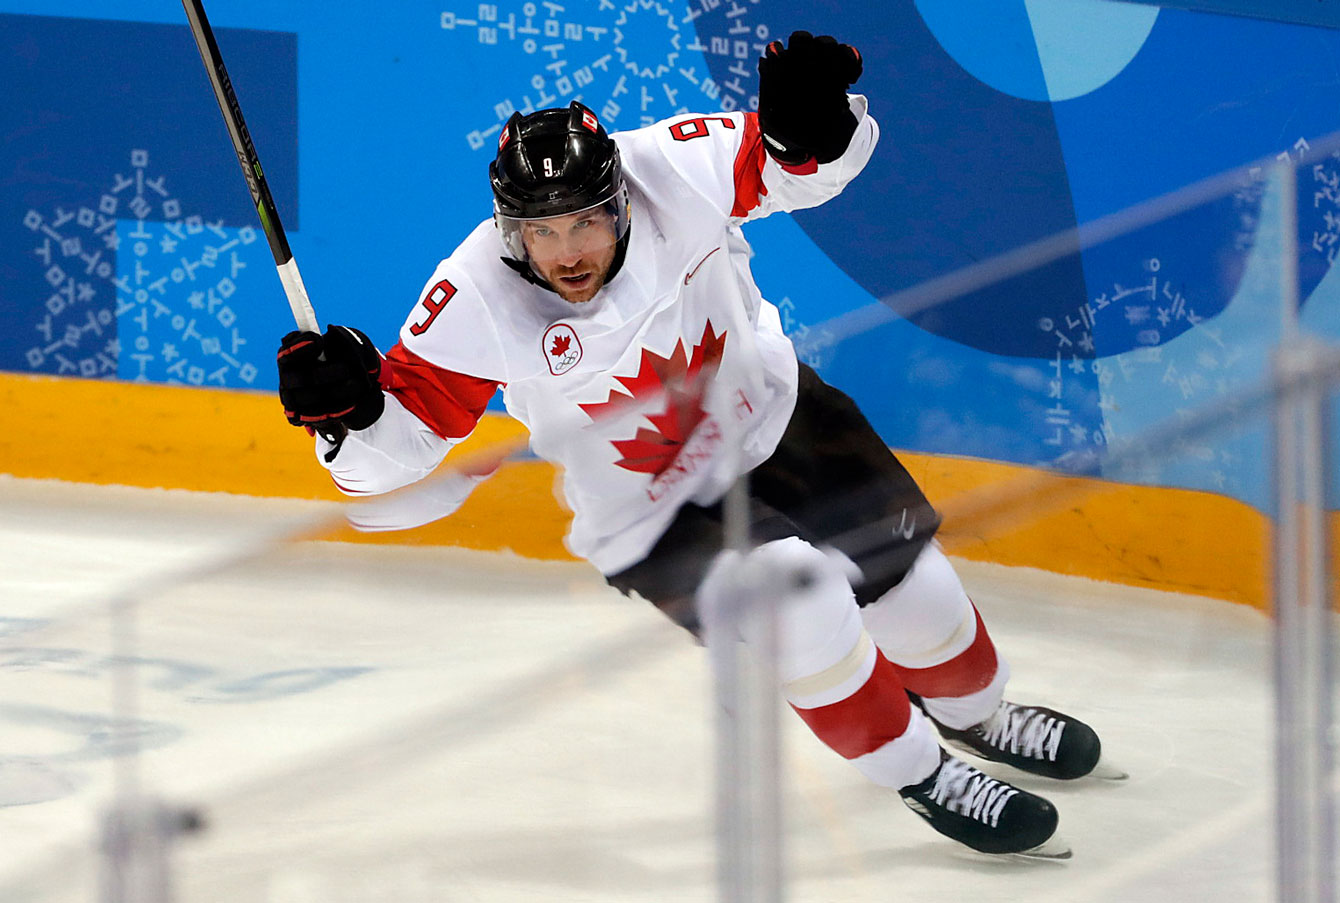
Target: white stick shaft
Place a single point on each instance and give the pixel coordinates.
(298, 302)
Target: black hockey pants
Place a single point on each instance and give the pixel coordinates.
(831, 481)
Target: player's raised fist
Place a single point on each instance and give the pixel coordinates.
(330, 381)
(822, 56)
(802, 98)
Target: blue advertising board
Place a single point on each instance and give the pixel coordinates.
(129, 249)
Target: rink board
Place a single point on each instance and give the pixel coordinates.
(238, 442)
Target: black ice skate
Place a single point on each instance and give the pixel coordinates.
(1038, 740)
(984, 813)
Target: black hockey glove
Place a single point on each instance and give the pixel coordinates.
(802, 98)
(330, 381)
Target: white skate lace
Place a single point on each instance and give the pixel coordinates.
(1024, 731)
(963, 789)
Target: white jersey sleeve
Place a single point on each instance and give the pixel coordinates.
(722, 158)
(396, 450)
(452, 326)
(437, 379)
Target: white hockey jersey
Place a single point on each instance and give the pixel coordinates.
(673, 380)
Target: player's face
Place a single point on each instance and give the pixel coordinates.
(573, 253)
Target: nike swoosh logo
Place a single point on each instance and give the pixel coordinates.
(908, 530)
(694, 272)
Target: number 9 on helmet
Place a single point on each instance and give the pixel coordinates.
(554, 163)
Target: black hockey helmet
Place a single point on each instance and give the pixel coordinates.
(552, 163)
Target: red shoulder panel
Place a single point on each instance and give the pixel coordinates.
(449, 403)
(749, 160)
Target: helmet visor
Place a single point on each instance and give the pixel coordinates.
(592, 230)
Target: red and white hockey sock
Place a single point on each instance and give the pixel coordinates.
(860, 710)
(844, 688)
(952, 691)
(938, 644)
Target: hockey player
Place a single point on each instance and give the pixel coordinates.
(611, 297)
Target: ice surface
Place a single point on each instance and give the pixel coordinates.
(362, 723)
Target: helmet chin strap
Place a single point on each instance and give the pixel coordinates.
(523, 268)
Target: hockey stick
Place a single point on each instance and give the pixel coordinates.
(296, 292)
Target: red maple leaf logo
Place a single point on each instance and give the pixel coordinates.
(681, 380)
(561, 344)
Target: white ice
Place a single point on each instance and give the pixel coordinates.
(360, 723)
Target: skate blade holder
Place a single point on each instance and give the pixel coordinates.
(1053, 849)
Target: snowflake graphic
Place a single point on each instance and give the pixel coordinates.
(76, 335)
(1318, 178)
(1318, 204)
(816, 346)
(632, 62)
(135, 297)
(1151, 305)
(1202, 366)
(176, 324)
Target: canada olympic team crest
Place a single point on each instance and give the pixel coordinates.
(562, 348)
